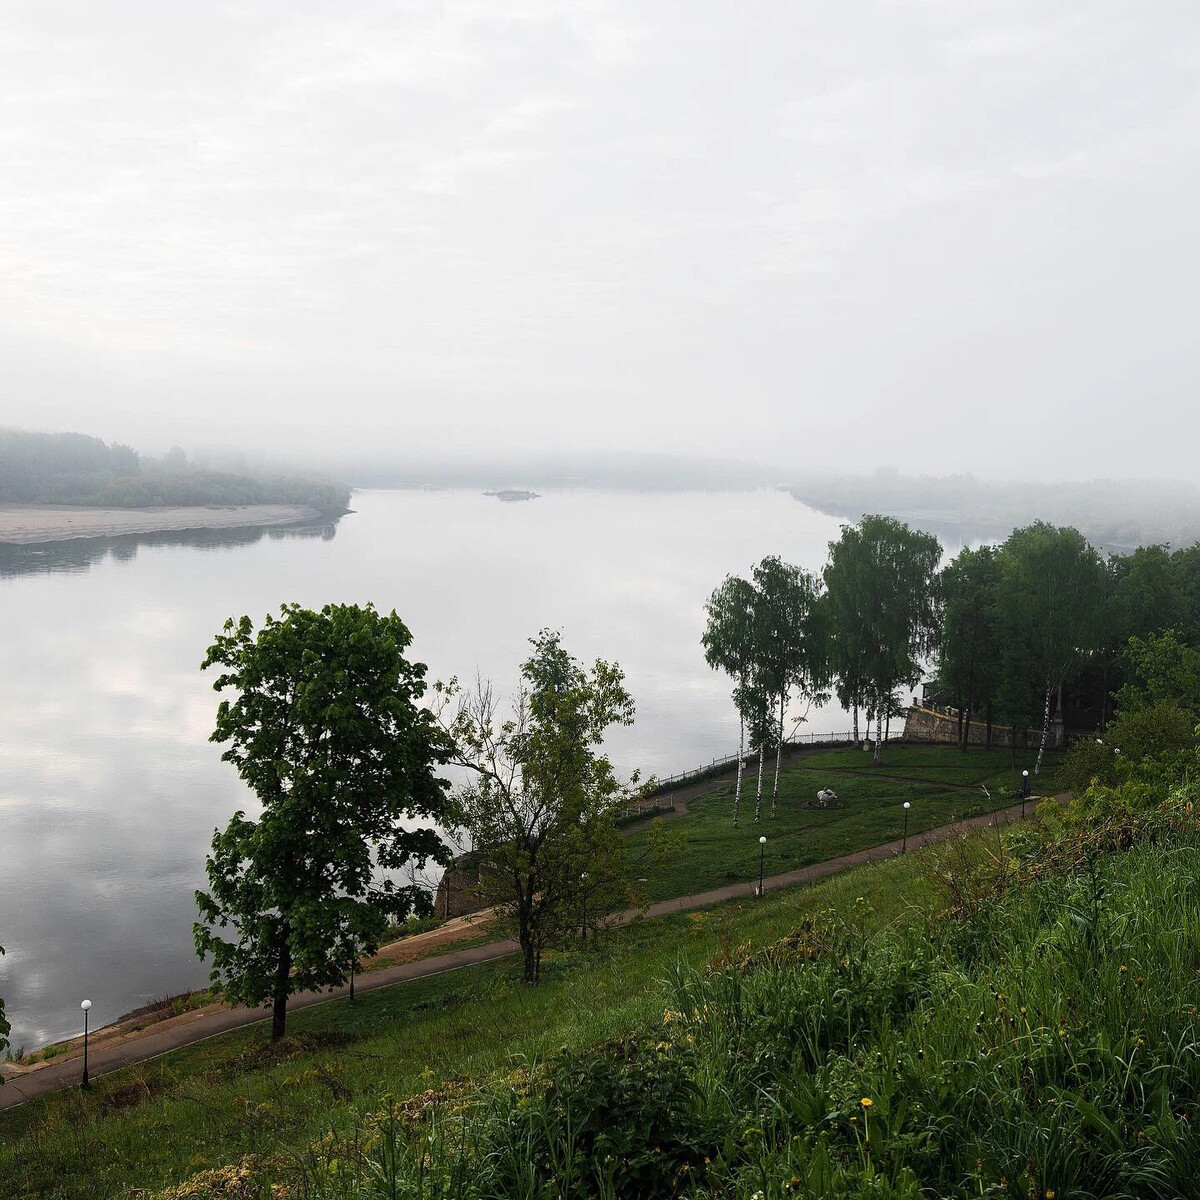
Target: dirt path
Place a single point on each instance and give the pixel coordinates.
(105, 1057)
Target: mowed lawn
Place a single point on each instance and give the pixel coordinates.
(941, 783)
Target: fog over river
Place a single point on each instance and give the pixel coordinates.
(110, 789)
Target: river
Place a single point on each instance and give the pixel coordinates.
(109, 788)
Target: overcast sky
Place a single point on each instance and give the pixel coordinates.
(947, 235)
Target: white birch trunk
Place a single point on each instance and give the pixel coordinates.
(737, 790)
(762, 749)
(878, 758)
(1045, 733)
(778, 753)
(856, 741)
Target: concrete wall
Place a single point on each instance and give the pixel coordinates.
(458, 889)
(931, 725)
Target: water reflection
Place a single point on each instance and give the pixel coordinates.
(76, 555)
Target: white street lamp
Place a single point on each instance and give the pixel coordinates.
(86, 1006)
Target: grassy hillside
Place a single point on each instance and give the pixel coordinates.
(941, 784)
(216, 1102)
(987, 1018)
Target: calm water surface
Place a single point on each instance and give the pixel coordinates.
(110, 789)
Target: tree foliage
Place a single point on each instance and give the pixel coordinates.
(327, 730)
(1159, 667)
(730, 641)
(70, 468)
(768, 634)
(970, 655)
(1051, 594)
(541, 797)
(882, 586)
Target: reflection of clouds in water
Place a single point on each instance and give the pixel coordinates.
(111, 789)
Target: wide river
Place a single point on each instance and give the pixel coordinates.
(110, 789)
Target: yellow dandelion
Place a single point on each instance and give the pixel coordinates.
(866, 1102)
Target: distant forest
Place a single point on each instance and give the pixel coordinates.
(1116, 515)
(71, 468)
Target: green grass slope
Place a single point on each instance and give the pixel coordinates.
(941, 784)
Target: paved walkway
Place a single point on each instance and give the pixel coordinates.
(65, 1072)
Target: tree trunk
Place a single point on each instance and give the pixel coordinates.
(279, 993)
(878, 735)
(529, 961)
(1104, 697)
(1045, 732)
(856, 741)
(778, 751)
(960, 713)
(762, 749)
(966, 738)
(737, 789)
(987, 745)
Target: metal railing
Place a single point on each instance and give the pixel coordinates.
(811, 739)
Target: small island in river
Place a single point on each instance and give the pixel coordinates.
(510, 495)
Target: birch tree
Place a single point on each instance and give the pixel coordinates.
(969, 642)
(792, 654)
(1051, 591)
(729, 642)
(882, 584)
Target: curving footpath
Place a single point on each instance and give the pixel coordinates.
(185, 1031)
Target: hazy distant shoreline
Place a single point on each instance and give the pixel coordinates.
(30, 524)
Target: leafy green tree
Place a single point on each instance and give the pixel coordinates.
(730, 641)
(541, 799)
(1159, 667)
(1159, 732)
(327, 730)
(1050, 599)
(791, 654)
(1185, 574)
(1145, 595)
(882, 585)
(969, 645)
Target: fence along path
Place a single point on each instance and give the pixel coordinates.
(812, 741)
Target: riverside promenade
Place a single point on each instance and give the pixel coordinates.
(65, 1070)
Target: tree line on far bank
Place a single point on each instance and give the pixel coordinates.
(1039, 627)
(71, 468)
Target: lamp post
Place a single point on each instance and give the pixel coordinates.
(1024, 792)
(86, 1005)
(762, 860)
(904, 839)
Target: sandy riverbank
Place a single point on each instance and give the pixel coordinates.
(26, 524)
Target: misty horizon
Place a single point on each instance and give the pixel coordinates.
(947, 238)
